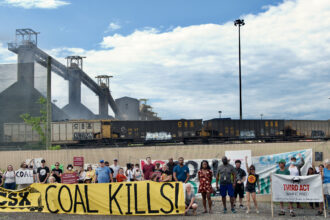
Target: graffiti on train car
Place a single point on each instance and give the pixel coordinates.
(83, 136)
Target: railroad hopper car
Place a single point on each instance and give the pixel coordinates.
(307, 129)
(108, 131)
(228, 129)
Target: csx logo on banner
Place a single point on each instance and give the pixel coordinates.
(129, 198)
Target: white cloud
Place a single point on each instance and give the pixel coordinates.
(192, 72)
(113, 26)
(28, 4)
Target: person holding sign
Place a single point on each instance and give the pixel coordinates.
(205, 180)
(57, 172)
(227, 176)
(283, 171)
(252, 182)
(25, 174)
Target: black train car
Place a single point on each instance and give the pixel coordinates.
(155, 131)
(228, 129)
(307, 129)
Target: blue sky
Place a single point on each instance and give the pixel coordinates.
(182, 54)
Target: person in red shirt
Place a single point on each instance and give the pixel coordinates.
(148, 169)
(120, 176)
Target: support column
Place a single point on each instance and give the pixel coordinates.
(25, 64)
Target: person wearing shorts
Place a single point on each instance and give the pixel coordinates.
(240, 179)
(226, 176)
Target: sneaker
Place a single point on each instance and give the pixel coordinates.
(319, 213)
(233, 210)
(292, 214)
(224, 210)
(247, 211)
(257, 211)
(241, 207)
(281, 213)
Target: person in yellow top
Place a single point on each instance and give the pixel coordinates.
(90, 175)
(69, 169)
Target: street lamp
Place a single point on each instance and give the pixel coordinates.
(261, 116)
(220, 114)
(239, 23)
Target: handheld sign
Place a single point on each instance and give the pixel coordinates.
(69, 178)
(24, 176)
(78, 161)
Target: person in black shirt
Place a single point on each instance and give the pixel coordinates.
(240, 179)
(43, 172)
(171, 165)
(57, 172)
(251, 184)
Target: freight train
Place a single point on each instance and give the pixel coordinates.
(108, 132)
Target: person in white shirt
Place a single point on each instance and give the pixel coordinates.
(115, 167)
(129, 172)
(137, 173)
(9, 178)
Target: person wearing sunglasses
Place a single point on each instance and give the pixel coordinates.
(251, 184)
(57, 172)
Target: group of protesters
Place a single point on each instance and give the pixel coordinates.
(232, 181)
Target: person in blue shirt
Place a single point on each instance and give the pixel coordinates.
(326, 181)
(103, 173)
(181, 171)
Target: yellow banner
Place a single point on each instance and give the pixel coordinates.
(128, 198)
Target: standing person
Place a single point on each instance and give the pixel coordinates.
(227, 178)
(120, 176)
(283, 171)
(166, 174)
(240, 179)
(205, 184)
(24, 166)
(82, 175)
(43, 172)
(9, 178)
(190, 199)
(181, 171)
(326, 182)
(129, 172)
(34, 173)
(90, 174)
(137, 173)
(115, 167)
(171, 165)
(57, 172)
(295, 169)
(311, 171)
(103, 173)
(252, 182)
(148, 169)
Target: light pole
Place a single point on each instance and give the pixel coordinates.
(239, 23)
(261, 116)
(220, 114)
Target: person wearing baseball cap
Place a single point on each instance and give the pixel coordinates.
(103, 173)
(283, 171)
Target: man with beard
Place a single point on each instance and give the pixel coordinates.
(227, 177)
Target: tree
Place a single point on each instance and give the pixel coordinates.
(38, 123)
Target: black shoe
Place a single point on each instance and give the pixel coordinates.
(292, 214)
(319, 213)
(281, 213)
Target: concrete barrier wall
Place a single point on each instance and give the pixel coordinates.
(134, 154)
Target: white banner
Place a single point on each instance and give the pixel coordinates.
(24, 176)
(297, 188)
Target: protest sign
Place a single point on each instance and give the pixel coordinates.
(78, 161)
(24, 176)
(69, 178)
(127, 198)
(297, 188)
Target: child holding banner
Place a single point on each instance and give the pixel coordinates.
(252, 182)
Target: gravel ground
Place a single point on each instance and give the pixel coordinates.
(264, 208)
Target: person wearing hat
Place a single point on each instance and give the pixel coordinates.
(115, 167)
(283, 171)
(103, 173)
(90, 174)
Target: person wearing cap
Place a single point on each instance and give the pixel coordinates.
(90, 174)
(115, 167)
(283, 171)
(43, 172)
(103, 173)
